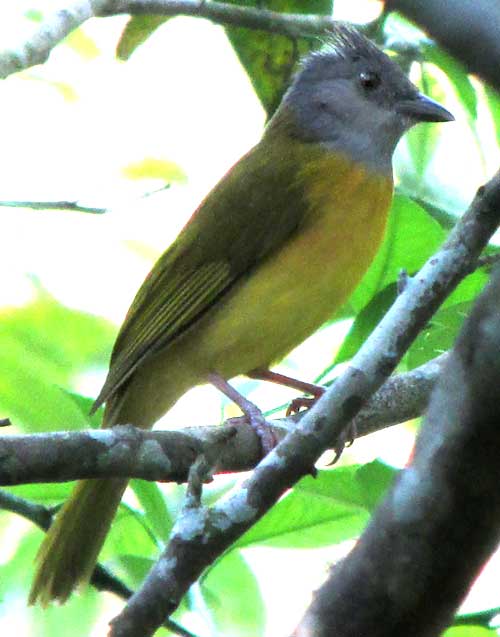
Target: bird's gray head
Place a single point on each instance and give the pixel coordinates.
(352, 97)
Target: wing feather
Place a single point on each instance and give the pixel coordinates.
(247, 216)
(164, 318)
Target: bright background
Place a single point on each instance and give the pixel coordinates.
(71, 130)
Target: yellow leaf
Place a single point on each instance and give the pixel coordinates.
(154, 168)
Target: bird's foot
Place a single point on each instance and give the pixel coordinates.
(256, 419)
(299, 403)
(262, 428)
(252, 413)
(346, 439)
(304, 402)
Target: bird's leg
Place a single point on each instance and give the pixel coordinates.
(252, 412)
(347, 437)
(297, 404)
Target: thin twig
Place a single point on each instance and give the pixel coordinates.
(102, 579)
(53, 205)
(60, 24)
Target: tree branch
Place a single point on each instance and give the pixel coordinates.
(53, 30)
(36, 513)
(291, 24)
(200, 535)
(469, 34)
(441, 521)
(125, 451)
(61, 23)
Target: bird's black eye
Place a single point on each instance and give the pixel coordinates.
(369, 80)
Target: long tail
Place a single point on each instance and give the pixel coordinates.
(69, 551)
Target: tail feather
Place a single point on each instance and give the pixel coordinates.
(70, 549)
(69, 552)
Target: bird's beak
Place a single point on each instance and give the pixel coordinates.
(422, 109)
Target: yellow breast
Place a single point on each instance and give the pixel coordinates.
(299, 288)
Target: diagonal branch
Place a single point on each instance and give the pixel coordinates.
(201, 535)
(53, 30)
(125, 451)
(426, 543)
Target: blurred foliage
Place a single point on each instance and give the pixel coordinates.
(270, 59)
(470, 631)
(46, 347)
(154, 168)
(136, 32)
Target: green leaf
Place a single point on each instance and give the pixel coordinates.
(34, 15)
(470, 631)
(320, 511)
(411, 237)
(438, 336)
(441, 207)
(79, 613)
(233, 598)
(493, 99)
(136, 32)
(422, 140)
(130, 534)
(18, 569)
(270, 59)
(366, 321)
(374, 480)
(155, 509)
(67, 91)
(39, 358)
(83, 44)
(154, 168)
(441, 331)
(42, 493)
(136, 567)
(469, 288)
(85, 404)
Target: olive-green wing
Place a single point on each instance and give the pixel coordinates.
(241, 222)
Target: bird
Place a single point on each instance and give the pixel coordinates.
(269, 255)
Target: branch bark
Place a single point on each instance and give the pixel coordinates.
(125, 451)
(61, 23)
(425, 545)
(470, 34)
(54, 29)
(200, 534)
